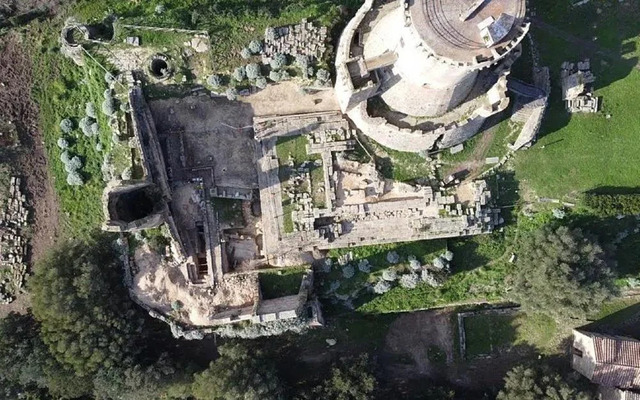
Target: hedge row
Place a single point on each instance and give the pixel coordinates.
(613, 204)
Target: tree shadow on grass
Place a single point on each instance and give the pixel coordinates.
(625, 322)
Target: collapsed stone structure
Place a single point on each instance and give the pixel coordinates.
(360, 207)
(301, 39)
(442, 63)
(577, 87)
(13, 245)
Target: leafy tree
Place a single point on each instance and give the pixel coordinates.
(252, 70)
(159, 9)
(261, 82)
(215, 81)
(85, 125)
(62, 143)
(238, 374)
(108, 106)
(540, 383)
(255, 46)
(245, 53)
(613, 204)
(349, 380)
(232, 94)
(26, 365)
(409, 281)
(239, 74)
(90, 110)
(88, 321)
(275, 76)
(74, 178)
(278, 61)
(139, 382)
(561, 271)
(66, 126)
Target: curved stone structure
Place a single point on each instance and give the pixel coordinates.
(424, 61)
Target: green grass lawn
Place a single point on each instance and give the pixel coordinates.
(487, 333)
(232, 24)
(397, 165)
(580, 152)
(284, 282)
(62, 90)
(229, 211)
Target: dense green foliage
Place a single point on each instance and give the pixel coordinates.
(613, 204)
(238, 374)
(26, 365)
(87, 318)
(561, 272)
(540, 383)
(349, 380)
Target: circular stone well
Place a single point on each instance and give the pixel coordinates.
(160, 67)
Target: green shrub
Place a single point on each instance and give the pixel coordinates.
(245, 53)
(108, 106)
(232, 94)
(278, 61)
(613, 204)
(215, 81)
(66, 125)
(252, 70)
(239, 74)
(275, 76)
(255, 46)
(261, 82)
(90, 110)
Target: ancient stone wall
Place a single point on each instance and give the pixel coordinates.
(13, 245)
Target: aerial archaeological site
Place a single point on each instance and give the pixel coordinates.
(320, 199)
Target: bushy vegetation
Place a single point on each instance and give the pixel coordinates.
(349, 380)
(613, 204)
(238, 374)
(562, 272)
(540, 382)
(85, 337)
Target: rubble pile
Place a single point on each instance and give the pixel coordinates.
(577, 87)
(13, 246)
(301, 39)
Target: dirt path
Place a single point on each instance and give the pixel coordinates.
(476, 160)
(30, 161)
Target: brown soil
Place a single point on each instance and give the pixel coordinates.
(30, 161)
(405, 355)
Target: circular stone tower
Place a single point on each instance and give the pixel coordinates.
(442, 46)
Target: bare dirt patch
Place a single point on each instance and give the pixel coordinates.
(160, 285)
(29, 161)
(412, 335)
(288, 98)
(423, 344)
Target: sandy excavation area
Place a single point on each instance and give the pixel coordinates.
(159, 284)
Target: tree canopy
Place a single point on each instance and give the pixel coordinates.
(238, 374)
(540, 383)
(561, 271)
(26, 365)
(87, 319)
(349, 380)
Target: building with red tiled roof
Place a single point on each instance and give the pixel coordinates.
(610, 361)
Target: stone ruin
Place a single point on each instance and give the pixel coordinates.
(301, 39)
(13, 245)
(577, 87)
